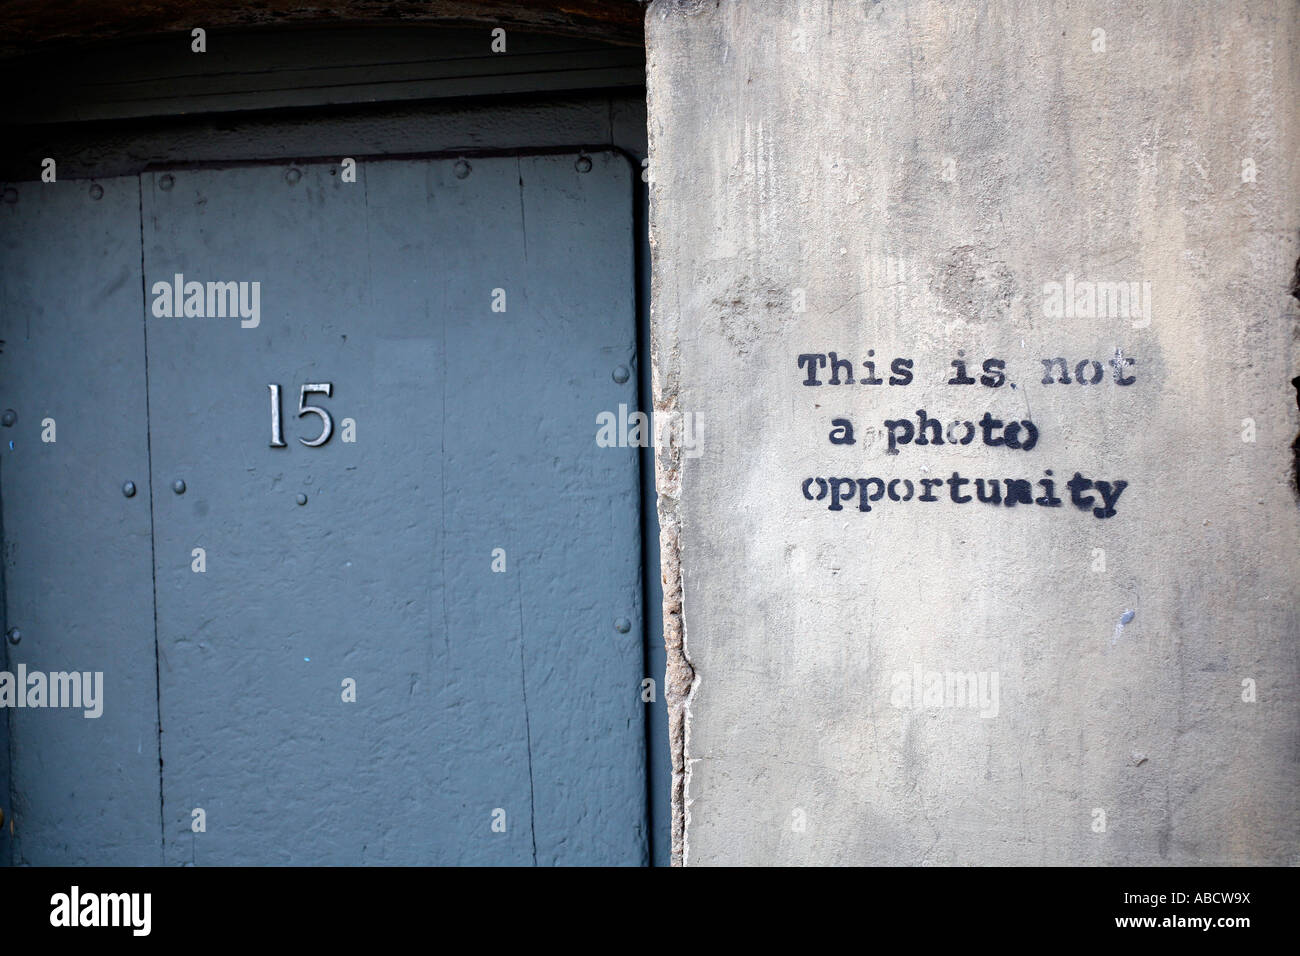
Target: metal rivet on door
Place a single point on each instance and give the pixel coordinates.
(8, 418)
(292, 176)
(166, 182)
(96, 192)
(622, 625)
(461, 169)
(621, 374)
(302, 499)
(583, 165)
(178, 486)
(128, 488)
(14, 635)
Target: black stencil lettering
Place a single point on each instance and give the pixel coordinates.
(814, 361)
(837, 363)
(902, 372)
(995, 373)
(1047, 371)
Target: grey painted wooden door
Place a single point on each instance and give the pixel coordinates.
(78, 574)
(459, 555)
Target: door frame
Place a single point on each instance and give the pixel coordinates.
(475, 114)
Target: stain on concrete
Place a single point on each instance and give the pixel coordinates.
(972, 283)
(749, 311)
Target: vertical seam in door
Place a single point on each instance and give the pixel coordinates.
(523, 218)
(645, 476)
(523, 667)
(153, 557)
(4, 665)
(10, 730)
(528, 730)
(442, 501)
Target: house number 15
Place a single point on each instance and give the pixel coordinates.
(327, 423)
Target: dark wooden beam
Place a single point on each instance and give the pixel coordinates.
(28, 26)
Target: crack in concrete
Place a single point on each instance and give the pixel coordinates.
(680, 679)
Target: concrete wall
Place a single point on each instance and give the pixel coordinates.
(931, 179)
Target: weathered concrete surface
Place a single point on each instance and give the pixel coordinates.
(922, 170)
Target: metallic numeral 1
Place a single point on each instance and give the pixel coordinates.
(277, 432)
